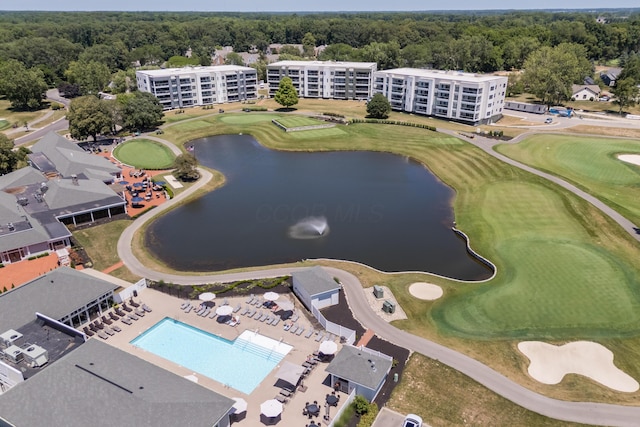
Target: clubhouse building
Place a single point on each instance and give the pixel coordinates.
(465, 97)
(63, 185)
(324, 79)
(191, 86)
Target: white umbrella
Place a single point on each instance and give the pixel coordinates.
(224, 310)
(192, 378)
(290, 372)
(271, 408)
(285, 305)
(271, 296)
(207, 296)
(240, 405)
(328, 347)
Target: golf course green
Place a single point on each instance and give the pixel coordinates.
(144, 154)
(588, 162)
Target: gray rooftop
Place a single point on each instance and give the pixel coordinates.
(69, 159)
(63, 196)
(20, 177)
(99, 385)
(24, 231)
(54, 294)
(354, 365)
(315, 280)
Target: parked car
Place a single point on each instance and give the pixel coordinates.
(412, 420)
(604, 98)
(548, 120)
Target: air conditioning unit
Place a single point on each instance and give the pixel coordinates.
(13, 353)
(35, 355)
(10, 337)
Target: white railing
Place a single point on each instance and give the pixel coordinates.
(375, 353)
(344, 406)
(334, 328)
(127, 293)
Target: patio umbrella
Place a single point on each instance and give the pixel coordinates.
(124, 182)
(271, 408)
(137, 199)
(240, 405)
(271, 296)
(207, 296)
(223, 319)
(284, 314)
(160, 182)
(290, 372)
(239, 409)
(328, 347)
(138, 184)
(224, 310)
(285, 305)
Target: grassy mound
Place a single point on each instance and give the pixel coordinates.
(144, 154)
(298, 121)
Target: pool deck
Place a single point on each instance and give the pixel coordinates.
(164, 305)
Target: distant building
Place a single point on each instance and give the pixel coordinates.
(324, 79)
(191, 86)
(610, 76)
(465, 97)
(585, 92)
(525, 107)
(275, 48)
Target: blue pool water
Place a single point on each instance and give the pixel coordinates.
(241, 364)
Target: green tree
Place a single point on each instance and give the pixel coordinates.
(308, 45)
(626, 92)
(8, 158)
(185, 168)
(550, 72)
(140, 110)
(234, 58)
(24, 88)
(124, 81)
(261, 67)
(92, 77)
(379, 106)
(182, 61)
(286, 94)
(89, 116)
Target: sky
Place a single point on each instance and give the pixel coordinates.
(304, 6)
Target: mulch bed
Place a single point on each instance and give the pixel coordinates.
(244, 288)
(341, 314)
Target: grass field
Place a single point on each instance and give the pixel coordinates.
(4, 124)
(590, 163)
(246, 118)
(99, 244)
(318, 133)
(298, 121)
(144, 154)
(192, 125)
(18, 117)
(454, 399)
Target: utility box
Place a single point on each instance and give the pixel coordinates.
(378, 292)
(388, 307)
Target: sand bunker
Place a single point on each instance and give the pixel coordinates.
(550, 363)
(630, 158)
(426, 291)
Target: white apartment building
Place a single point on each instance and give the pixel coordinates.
(190, 86)
(465, 97)
(324, 79)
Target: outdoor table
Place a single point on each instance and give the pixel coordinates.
(313, 409)
(332, 400)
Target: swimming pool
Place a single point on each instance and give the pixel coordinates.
(240, 364)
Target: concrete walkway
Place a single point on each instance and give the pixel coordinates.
(582, 412)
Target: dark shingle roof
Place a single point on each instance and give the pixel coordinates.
(100, 385)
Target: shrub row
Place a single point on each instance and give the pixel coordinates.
(333, 115)
(42, 255)
(256, 108)
(394, 122)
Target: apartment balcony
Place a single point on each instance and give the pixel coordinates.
(363, 75)
(471, 91)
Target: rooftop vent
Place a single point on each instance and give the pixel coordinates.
(74, 179)
(22, 201)
(11, 227)
(43, 187)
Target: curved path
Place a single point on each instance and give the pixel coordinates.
(582, 412)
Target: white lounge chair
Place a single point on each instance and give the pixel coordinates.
(319, 337)
(308, 334)
(300, 330)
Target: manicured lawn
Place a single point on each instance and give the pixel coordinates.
(100, 242)
(443, 396)
(590, 163)
(245, 118)
(18, 117)
(298, 121)
(318, 133)
(192, 125)
(144, 154)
